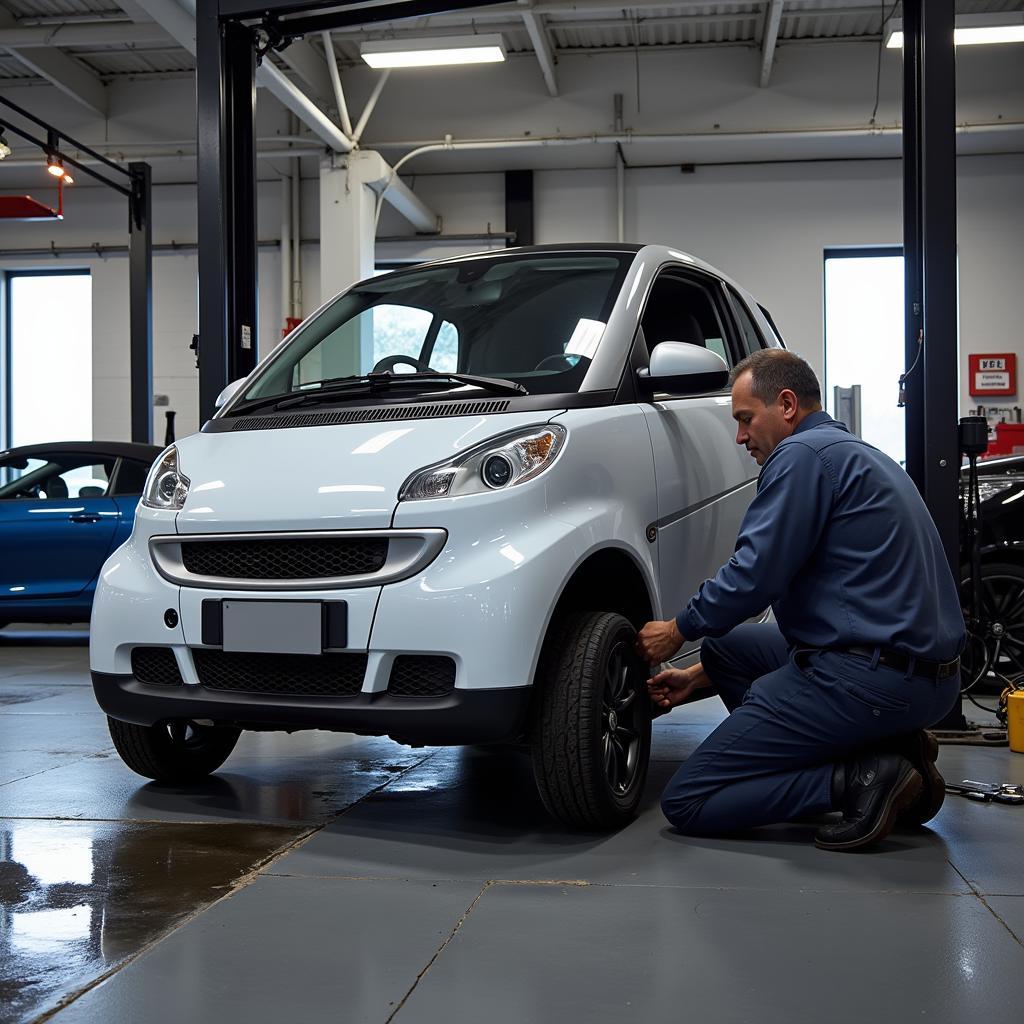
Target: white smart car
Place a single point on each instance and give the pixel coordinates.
(439, 511)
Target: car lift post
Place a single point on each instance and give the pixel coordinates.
(929, 240)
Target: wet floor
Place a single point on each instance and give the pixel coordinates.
(322, 876)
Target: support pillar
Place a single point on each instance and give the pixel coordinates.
(929, 140)
(140, 291)
(348, 206)
(226, 91)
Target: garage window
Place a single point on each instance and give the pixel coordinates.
(48, 357)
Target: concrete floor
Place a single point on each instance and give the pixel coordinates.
(321, 877)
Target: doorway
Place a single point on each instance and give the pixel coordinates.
(864, 339)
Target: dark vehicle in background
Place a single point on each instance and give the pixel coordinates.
(995, 657)
(64, 507)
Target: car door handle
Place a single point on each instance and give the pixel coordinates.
(86, 517)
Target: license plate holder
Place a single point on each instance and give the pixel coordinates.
(275, 627)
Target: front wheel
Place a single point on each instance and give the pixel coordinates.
(176, 751)
(591, 727)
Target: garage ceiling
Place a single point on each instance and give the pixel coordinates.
(112, 40)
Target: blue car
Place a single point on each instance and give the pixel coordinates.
(64, 507)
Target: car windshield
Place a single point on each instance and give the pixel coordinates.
(536, 321)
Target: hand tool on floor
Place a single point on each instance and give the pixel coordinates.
(986, 792)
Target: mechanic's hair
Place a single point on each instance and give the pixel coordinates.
(774, 370)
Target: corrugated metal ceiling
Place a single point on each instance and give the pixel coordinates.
(590, 26)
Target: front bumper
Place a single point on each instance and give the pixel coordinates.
(462, 716)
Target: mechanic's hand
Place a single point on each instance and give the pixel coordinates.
(670, 688)
(658, 641)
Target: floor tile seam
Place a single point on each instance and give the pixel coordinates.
(440, 949)
(984, 902)
(355, 803)
(587, 883)
(242, 882)
(54, 767)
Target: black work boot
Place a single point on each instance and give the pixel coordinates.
(871, 790)
(921, 749)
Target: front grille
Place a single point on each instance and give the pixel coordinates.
(285, 675)
(156, 665)
(315, 558)
(421, 675)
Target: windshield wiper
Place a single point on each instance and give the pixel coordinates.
(373, 382)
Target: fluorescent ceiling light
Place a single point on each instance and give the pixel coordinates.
(432, 53)
(972, 30)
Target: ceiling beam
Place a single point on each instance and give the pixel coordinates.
(71, 77)
(301, 56)
(542, 47)
(170, 16)
(772, 20)
(91, 34)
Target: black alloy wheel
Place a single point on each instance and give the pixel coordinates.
(590, 735)
(177, 751)
(994, 657)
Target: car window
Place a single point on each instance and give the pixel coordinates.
(130, 478)
(680, 309)
(60, 478)
(748, 329)
(535, 320)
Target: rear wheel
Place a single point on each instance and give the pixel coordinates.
(591, 729)
(176, 751)
(994, 655)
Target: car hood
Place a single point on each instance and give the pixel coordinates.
(320, 478)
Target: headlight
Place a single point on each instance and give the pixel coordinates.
(501, 462)
(166, 486)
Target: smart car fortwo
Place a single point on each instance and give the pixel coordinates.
(439, 510)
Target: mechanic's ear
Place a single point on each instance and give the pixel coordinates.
(790, 404)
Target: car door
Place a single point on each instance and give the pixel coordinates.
(57, 523)
(704, 479)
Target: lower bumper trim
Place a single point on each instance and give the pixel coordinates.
(462, 716)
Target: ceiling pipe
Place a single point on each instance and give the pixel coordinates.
(628, 138)
(370, 104)
(339, 92)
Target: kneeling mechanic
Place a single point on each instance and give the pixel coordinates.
(828, 707)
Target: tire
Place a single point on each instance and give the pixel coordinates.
(995, 656)
(178, 751)
(590, 735)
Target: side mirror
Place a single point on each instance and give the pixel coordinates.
(228, 393)
(684, 369)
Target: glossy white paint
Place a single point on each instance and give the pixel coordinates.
(488, 596)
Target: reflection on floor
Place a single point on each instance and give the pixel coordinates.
(323, 876)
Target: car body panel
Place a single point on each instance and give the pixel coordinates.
(54, 546)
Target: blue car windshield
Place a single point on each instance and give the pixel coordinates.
(536, 320)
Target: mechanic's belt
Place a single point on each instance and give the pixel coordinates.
(901, 661)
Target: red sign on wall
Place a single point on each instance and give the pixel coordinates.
(993, 373)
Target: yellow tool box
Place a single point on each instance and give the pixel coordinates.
(1015, 720)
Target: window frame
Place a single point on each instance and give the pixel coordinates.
(714, 288)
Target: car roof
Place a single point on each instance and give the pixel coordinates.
(114, 449)
(661, 253)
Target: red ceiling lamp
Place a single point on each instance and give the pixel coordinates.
(27, 208)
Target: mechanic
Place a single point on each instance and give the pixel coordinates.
(828, 707)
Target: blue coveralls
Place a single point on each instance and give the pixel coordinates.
(839, 543)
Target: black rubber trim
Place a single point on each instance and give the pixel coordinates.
(463, 716)
(347, 412)
(674, 517)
